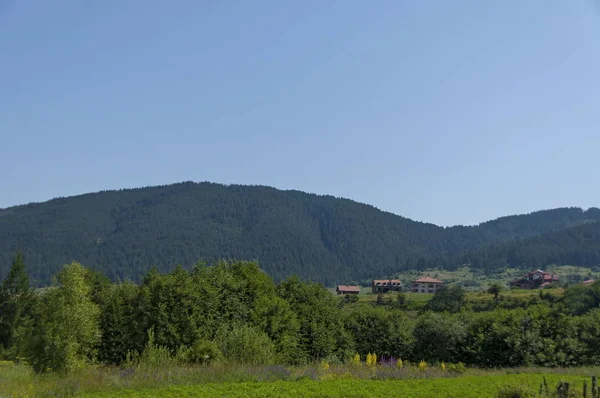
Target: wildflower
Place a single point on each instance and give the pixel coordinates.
(399, 363)
(422, 366)
(371, 360)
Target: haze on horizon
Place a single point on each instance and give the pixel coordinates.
(453, 113)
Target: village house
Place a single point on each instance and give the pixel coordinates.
(386, 285)
(534, 279)
(346, 289)
(588, 282)
(426, 284)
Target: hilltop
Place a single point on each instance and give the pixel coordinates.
(327, 239)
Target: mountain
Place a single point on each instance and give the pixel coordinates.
(123, 233)
(578, 245)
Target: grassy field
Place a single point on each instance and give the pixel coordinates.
(280, 381)
(459, 387)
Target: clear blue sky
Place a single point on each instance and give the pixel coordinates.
(442, 111)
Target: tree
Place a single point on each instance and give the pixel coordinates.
(322, 332)
(438, 337)
(69, 325)
(494, 289)
(15, 310)
(401, 302)
(383, 331)
(450, 299)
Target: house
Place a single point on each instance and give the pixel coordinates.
(426, 284)
(386, 285)
(533, 279)
(346, 289)
(588, 282)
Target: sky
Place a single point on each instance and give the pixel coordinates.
(451, 112)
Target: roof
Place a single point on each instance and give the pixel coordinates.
(427, 279)
(545, 284)
(588, 282)
(386, 281)
(348, 288)
(538, 271)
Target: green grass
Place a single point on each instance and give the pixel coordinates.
(277, 381)
(459, 387)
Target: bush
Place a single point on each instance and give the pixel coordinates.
(246, 345)
(458, 368)
(516, 391)
(203, 352)
(154, 355)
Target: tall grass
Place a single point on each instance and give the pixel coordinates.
(19, 381)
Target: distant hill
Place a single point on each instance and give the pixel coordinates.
(577, 245)
(323, 238)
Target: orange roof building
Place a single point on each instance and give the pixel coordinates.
(426, 284)
(347, 289)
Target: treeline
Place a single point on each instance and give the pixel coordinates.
(578, 245)
(320, 238)
(233, 311)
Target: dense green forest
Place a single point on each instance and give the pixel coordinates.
(575, 245)
(233, 311)
(321, 238)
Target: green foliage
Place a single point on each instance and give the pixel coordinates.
(246, 345)
(386, 332)
(319, 238)
(580, 299)
(450, 299)
(68, 328)
(495, 289)
(401, 302)
(155, 355)
(16, 305)
(438, 337)
(351, 298)
(322, 333)
(234, 311)
(516, 391)
(204, 352)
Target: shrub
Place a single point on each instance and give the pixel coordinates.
(356, 360)
(154, 355)
(456, 368)
(422, 366)
(516, 391)
(204, 352)
(246, 345)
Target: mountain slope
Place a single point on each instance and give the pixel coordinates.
(578, 245)
(323, 238)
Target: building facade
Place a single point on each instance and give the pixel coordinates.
(386, 285)
(426, 284)
(346, 289)
(534, 279)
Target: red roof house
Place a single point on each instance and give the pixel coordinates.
(533, 279)
(426, 284)
(347, 289)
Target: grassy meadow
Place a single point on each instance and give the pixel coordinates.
(280, 381)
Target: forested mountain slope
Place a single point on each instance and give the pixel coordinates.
(327, 239)
(578, 245)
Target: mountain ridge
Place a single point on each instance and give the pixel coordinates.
(320, 237)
